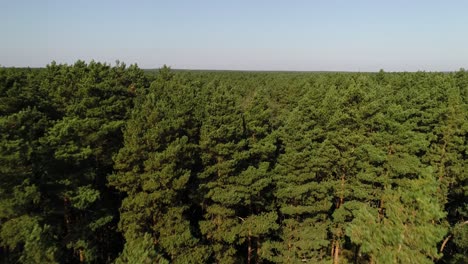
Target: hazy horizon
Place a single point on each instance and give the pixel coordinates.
(358, 36)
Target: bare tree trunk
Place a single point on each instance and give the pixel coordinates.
(81, 253)
(66, 213)
(336, 242)
(336, 257)
(257, 242)
(249, 247)
(333, 249)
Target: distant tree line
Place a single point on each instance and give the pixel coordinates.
(112, 164)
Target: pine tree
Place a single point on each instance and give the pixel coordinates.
(259, 219)
(222, 141)
(90, 105)
(445, 155)
(303, 187)
(155, 169)
(23, 235)
(401, 222)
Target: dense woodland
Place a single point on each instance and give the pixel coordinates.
(112, 164)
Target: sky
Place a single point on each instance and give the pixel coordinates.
(289, 35)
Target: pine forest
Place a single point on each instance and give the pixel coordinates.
(109, 163)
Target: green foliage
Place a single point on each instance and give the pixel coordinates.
(140, 250)
(155, 168)
(60, 127)
(109, 164)
(25, 232)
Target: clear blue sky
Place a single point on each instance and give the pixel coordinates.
(361, 35)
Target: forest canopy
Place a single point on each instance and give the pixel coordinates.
(114, 164)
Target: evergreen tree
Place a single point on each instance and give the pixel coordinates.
(401, 223)
(222, 144)
(155, 170)
(302, 187)
(97, 165)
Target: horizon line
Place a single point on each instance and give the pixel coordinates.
(242, 70)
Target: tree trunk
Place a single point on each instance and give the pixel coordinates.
(249, 247)
(342, 190)
(81, 253)
(336, 242)
(336, 257)
(332, 249)
(257, 242)
(66, 213)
